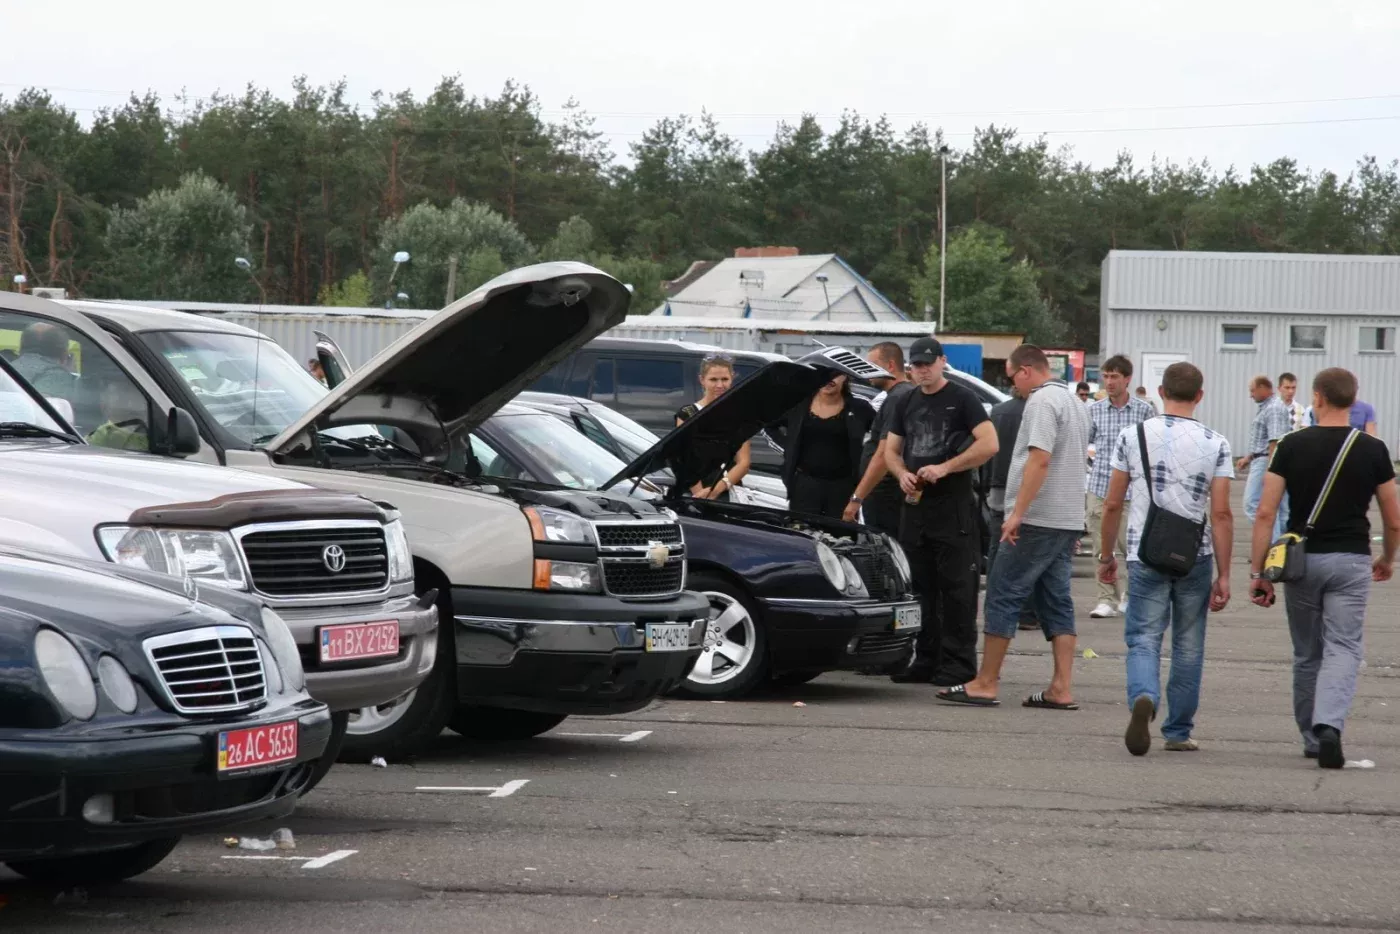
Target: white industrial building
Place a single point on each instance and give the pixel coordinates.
(1236, 315)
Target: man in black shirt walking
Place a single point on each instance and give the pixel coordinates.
(877, 497)
(1327, 605)
(937, 436)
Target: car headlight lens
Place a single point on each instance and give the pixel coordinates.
(203, 555)
(271, 671)
(567, 575)
(555, 525)
(855, 586)
(66, 674)
(400, 556)
(901, 560)
(284, 649)
(116, 684)
(831, 566)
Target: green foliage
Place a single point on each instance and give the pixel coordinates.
(181, 243)
(352, 292)
(432, 236)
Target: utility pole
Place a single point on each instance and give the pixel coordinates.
(451, 281)
(942, 236)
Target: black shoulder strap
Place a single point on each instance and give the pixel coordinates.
(1146, 464)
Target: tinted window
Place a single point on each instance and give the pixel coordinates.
(603, 383)
(595, 433)
(651, 386)
(743, 371)
(554, 380)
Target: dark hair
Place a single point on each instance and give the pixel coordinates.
(1141, 390)
(44, 339)
(1029, 355)
(891, 353)
(1286, 378)
(1182, 381)
(1261, 380)
(1337, 386)
(1082, 387)
(1117, 364)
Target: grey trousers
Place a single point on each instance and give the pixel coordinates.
(1326, 612)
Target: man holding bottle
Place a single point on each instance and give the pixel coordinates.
(939, 434)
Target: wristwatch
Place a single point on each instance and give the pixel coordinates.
(856, 499)
(1256, 575)
(1105, 559)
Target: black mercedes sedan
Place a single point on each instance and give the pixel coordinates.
(136, 708)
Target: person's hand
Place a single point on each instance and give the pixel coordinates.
(908, 482)
(1381, 570)
(932, 473)
(1261, 592)
(1220, 594)
(1108, 573)
(852, 511)
(1241, 464)
(1011, 529)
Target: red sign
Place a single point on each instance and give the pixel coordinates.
(259, 745)
(360, 640)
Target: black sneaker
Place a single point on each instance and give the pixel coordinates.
(1329, 747)
(1138, 737)
(1309, 753)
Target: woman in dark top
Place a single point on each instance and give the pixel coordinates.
(716, 376)
(821, 451)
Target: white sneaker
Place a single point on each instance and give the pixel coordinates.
(1102, 611)
(1123, 605)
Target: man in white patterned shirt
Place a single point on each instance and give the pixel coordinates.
(1191, 473)
(1109, 416)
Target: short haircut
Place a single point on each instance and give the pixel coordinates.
(1029, 355)
(1286, 378)
(1141, 390)
(1182, 381)
(1081, 387)
(1261, 380)
(45, 339)
(1117, 364)
(1337, 386)
(891, 353)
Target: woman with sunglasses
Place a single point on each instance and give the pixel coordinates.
(716, 376)
(821, 449)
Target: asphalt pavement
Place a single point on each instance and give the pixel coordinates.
(849, 804)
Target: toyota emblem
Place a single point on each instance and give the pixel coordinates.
(333, 556)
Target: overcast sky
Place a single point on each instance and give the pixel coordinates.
(1323, 72)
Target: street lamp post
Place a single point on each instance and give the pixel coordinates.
(942, 235)
(400, 258)
(821, 277)
(247, 267)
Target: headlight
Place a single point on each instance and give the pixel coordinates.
(200, 554)
(284, 649)
(400, 556)
(567, 575)
(901, 560)
(555, 525)
(855, 587)
(831, 566)
(271, 671)
(116, 683)
(66, 674)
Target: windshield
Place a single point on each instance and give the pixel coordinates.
(565, 457)
(632, 437)
(18, 407)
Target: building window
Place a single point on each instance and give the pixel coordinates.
(1377, 340)
(1237, 336)
(1307, 337)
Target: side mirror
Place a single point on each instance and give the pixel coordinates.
(181, 434)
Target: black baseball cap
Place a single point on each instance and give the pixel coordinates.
(925, 350)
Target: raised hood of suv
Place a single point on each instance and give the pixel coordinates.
(459, 366)
(712, 438)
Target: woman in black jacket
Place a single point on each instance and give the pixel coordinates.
(821, 449)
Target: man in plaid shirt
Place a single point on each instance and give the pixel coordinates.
(1271, 422)
(1108, 417)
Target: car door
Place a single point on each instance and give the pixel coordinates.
(332, 359)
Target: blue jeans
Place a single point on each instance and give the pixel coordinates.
(1182, 602)
(1254, 492)
(1038, 566)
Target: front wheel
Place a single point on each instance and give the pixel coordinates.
(339, 722)
(96, 868)
(735, 656)
(499, 724)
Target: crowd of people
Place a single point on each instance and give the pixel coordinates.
(1157, 494)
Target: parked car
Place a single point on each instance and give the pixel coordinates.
(791, 596)
(336, 566)
(136, 708)
(555, 602)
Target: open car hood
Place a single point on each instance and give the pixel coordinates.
(714, 435)
(459, 366)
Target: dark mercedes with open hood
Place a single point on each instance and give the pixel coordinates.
(136, 707)
(791, 595)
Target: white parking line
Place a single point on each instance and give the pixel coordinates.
(634, 737)
(502, 791)
(620, 737)
(308, 862)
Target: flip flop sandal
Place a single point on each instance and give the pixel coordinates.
(1038, 700)
(957, 694)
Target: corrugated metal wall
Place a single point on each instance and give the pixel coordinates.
(359, 337)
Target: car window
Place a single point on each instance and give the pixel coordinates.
(108, 408)
(743, 371)
(650, 386)
(563, 456)
(594, 432)
(604, 384)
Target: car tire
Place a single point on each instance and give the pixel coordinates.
(339, 722)
(96, 868)
(500, 724)
(407, 725)
(792, 679)
(735, 676)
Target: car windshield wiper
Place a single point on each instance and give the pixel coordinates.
(26, 430)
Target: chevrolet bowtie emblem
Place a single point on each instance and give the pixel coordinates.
(658, 554)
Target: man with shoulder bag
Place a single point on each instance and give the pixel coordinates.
(1179, 472)
(1330, 472)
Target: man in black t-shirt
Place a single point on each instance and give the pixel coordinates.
(1327, 605)
(877, 497)
(937, 435)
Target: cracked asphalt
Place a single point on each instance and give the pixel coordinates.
(871, 808)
